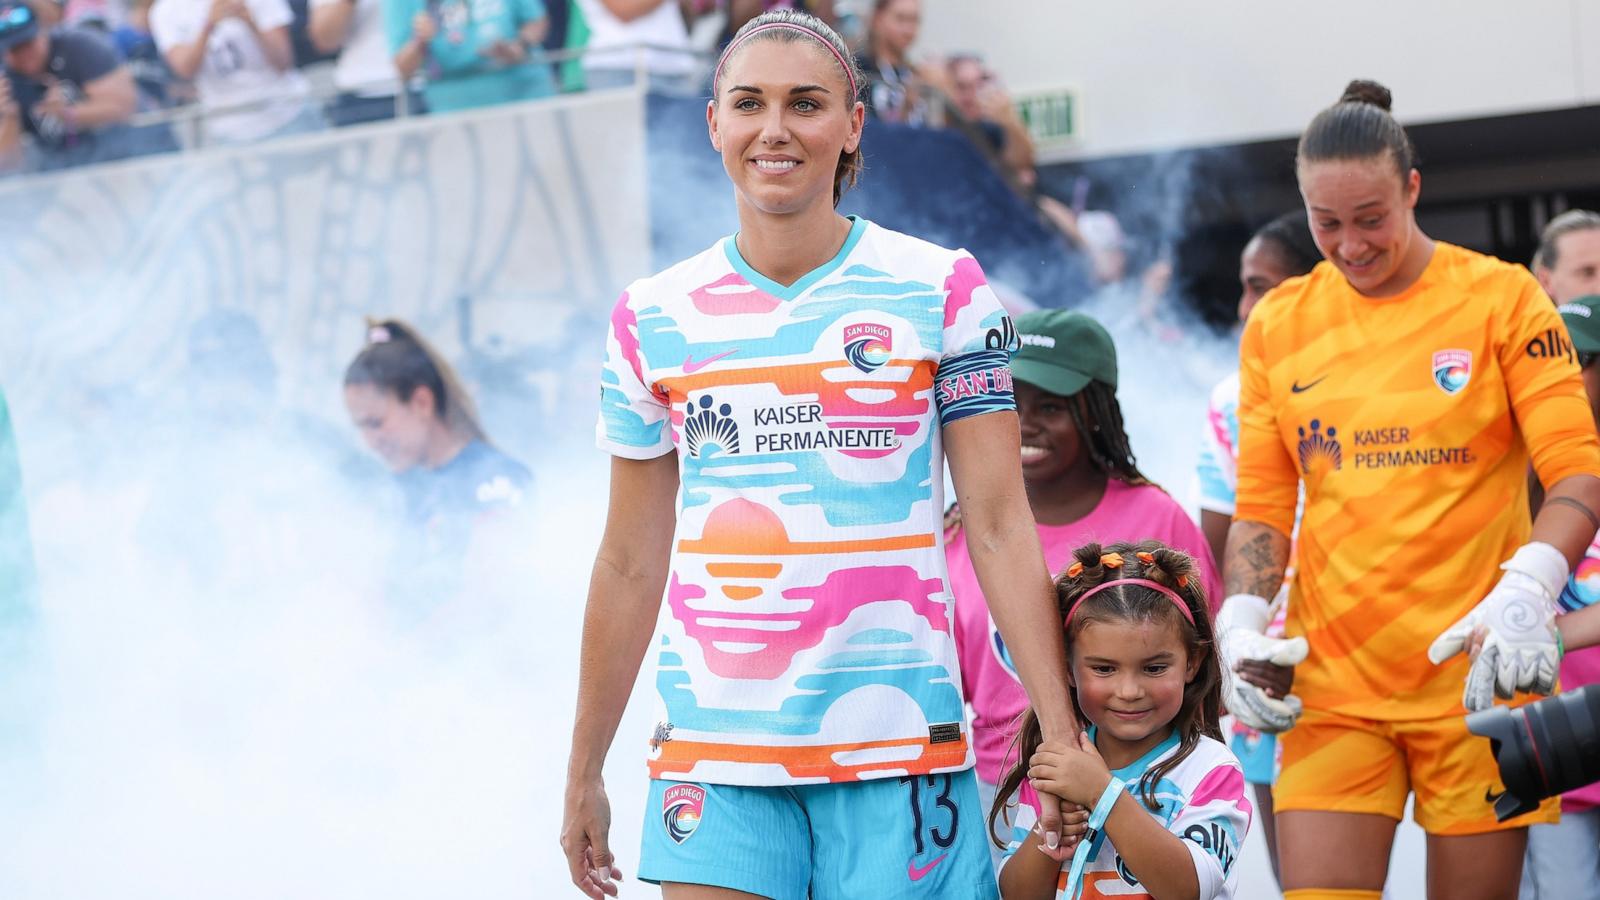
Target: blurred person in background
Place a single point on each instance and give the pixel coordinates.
(150, 70)
(239, 56)
(1567, 263)
(1279, 250)
(68, 89)
(49, 12)
(895, 87)
(1563, 859)
(1121, 296)
(625, 35)
(1083, 485)
(464, 498)
(368, 82)
(990, 119)
(473, 53)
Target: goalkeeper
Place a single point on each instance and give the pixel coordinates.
(1406, 384)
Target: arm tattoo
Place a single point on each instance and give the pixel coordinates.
(1256, 558)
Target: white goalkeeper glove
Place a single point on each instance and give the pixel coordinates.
(1241, 626)
(1520, 651)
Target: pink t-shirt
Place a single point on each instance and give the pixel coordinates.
(988, 677)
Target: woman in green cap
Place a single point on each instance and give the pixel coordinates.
(1083, 485)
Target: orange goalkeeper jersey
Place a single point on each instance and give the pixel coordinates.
(1410, 420)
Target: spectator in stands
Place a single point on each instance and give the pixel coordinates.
(1568, 262)
(49, 12)
(618, 28)
(240, 58)
(895, 87)
(473, 52)
(992, 120)
(68, 90)
(137, 45)
(368, 82)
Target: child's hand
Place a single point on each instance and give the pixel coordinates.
(1076, 774)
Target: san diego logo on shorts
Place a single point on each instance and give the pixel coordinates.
(681, 809)
(867, 346)
(1452, 369)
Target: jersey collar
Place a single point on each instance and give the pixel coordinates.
(730, 246)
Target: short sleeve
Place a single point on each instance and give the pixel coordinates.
(1219, 449)
(270, 14)
(1545, 387)
(633, 414)
(974, 374)
(170, 27)
(1212, 825)
(1268, 484)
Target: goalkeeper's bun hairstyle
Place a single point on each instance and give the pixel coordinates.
(1358, 126)
(1117, 568)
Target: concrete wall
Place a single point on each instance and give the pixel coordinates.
(1165, 73)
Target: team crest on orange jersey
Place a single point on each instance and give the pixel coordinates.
(1452, 369)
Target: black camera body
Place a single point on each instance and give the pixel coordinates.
(1543, 749)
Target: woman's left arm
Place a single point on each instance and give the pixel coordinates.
(985, 453)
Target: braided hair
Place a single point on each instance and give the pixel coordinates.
(1094, 565)
(1098, 417)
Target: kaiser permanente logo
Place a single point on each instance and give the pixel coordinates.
(1322, 449)
(712, 429)
(1320, 452)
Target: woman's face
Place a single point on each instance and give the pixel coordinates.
(1051, 444)
(1261, 268)
(896, 25)
(783, 119)
(396, 430)
(1361, 217)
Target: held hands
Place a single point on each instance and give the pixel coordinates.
(585, 831)
(1258, 669)
(507, 52)
(1516, 645)
(1070, 770)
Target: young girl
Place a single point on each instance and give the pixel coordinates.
(780, 408)
(1167, 799)
(1083, 485)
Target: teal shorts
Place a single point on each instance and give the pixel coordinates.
(919, 836)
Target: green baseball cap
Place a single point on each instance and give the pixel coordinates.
(1583, 323)
(1062, 351)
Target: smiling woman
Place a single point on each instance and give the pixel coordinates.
(780, 408)
(1405, 388)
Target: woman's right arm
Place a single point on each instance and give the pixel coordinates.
(630, 573)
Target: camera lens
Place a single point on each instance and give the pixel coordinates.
(1543, 749)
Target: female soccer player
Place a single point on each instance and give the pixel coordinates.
(1405, 383)
(779, 408)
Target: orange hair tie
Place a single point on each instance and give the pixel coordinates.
(1183, 581)
(1074, 570)
(1111, 560)
(1148, 559)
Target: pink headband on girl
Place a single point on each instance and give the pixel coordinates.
(1165, 591)
(848, 75)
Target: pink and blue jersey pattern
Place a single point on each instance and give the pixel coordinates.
(1202, 800)
(809, 635)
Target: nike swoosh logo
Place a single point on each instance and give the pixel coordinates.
(917, 872)
(1299, 388)
(690, 366)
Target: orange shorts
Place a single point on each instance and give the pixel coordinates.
(1338, 763)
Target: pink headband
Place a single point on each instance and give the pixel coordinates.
(848, 75)
(1142, 582)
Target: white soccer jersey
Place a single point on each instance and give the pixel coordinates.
(1202, 800)
(809, 636)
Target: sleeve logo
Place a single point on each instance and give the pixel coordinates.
(1551, 345)
(1452, 369)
